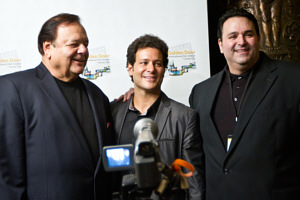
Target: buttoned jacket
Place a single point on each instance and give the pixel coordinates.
(263, 160)
(43, 152)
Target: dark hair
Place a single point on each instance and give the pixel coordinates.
(49, 29)
(147, 41)
(235, 13)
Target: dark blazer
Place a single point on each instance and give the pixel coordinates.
(178, 136)
(263, 161)
(43, 151)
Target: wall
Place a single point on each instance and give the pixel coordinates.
(111, 26)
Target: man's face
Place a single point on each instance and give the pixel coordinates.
(69, 53)
(148, 70)
(240, 44)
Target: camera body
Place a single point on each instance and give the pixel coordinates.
(144, 158)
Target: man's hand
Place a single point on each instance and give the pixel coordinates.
(127, 95)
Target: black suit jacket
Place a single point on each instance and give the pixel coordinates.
(178, 136)
(43, 151)
(263, 161)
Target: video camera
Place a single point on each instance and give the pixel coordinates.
(144, 157)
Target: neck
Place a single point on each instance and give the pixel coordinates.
(60, 75)
(142, 101)
(239, 70)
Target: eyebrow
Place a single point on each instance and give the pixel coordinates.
(79, 40)
(147, 59)
(249, 31)
(245, 32)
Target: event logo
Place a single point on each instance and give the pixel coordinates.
(181, 59)
(9, 62)
(98, 64)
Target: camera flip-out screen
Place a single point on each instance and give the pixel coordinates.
(118, 157)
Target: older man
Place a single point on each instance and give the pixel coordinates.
(53, 123)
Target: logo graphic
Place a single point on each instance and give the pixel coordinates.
(9, 62)
(98, 64)
(181, 59)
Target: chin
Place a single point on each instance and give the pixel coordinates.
(78, 69)
(244, 61)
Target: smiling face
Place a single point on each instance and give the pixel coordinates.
(148, 70)
(240, 44)
(68, 54)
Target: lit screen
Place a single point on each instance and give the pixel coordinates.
(117, 157)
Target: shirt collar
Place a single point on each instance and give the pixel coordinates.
(153, 108)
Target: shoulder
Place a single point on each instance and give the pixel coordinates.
(282, 65)
(21, 79)
(92, 86)
(18, 76)
(28, 76)
(203, 88)
(286, 71)
(180, 106)
(96, 94)
(289, 67)
(177, 107)
(118, 106)
(209, 81)
(289, 73)
(178, 113)
(16, 87)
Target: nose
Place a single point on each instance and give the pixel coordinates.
(82, 49)
(150, 67)
(241, 40)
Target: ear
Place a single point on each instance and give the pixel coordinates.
(220, 45)
(130, 69)
(47, 48)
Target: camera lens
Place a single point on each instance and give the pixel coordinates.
(146, 149)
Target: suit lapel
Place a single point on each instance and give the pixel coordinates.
(120, 123)
(210, 97)
(98, 113)
(263, 81)
(162, 115)
(100, 120)
(50, 87)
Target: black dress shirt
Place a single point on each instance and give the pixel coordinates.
(227, 103)
(77, 98)
(132, 116)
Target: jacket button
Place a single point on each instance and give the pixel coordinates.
(226, 171)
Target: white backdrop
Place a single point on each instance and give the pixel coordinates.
(111, 26)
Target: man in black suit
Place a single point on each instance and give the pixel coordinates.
(53, 123)
(178, 133)
(249, 118)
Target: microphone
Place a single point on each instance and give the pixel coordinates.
(145, 129)
(146, 154)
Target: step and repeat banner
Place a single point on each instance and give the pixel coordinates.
(111, 26)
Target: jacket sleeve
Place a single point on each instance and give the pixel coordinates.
(192, 152)
(12, 145)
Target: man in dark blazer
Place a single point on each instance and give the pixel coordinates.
(53, 123)
(178, 133)
(249, 119)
